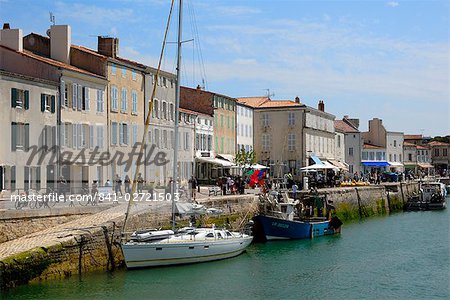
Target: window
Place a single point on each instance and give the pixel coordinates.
(371, 155)
(265, 142)
(114, 99)
(47, 137)
(100, 137)
(68, 134)
(221, 120)
(436, 152)
(63, 91)
(209, 143)
(246, 130)
(164, 110)
(339, 141)
(395, 157)
(20, 136)
(444, 152)
(265, 120)
(124, 103)
(186, 141)
(379, 157)
(164, 139)
(133, 74)
(291, 119)
(390, 157)
(156, 108)
(113, 69)
(85, 99)
(291, 142)
(400, 158)
(395, 143)
(48, 103)
(20, 98)
(350, 151)
(123, 134)
(74, 95)
(114, 133)
(172, 140)
(251, 131)
(124, 72)
(100, 101)
(409, 157)
(171, 112)
(134, 102)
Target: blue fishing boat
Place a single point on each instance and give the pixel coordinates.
(284, 220)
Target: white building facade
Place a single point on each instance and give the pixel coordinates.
(244, 127)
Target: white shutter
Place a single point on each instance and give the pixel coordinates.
(74, 136)
(91, 136)
(80, 97)
(125, 133)
(121, 133)
(86, 98)
(79, 136)
(102, 100)
(62, 135)
(62, 93)
(74, 96)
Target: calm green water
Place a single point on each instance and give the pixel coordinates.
(403, 256)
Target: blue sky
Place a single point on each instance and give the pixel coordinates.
(386, 59)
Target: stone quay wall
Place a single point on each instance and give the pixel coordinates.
(93, 242)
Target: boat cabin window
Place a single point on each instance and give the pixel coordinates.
(210, 234)
(219, 235)
(228, 233)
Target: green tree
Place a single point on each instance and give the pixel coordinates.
(245, 157)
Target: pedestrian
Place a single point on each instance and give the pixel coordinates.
(118, 185)
(62, 186)
(294, 190)
(140, 183)
(127, 184)
(193, 186)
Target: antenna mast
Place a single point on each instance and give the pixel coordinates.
(52, 18)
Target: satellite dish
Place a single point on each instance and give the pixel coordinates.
(48, 32)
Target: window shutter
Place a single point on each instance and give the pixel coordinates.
(13, 178)
(80, 97)
(38, 178)
(62, 135)
(13, 136)
(120, 133)
(27, 99)
(13, 97)
(74, 136)
(26, 177)
(27, 136)
(53, 136)
(62, 93)
(42, 102)
(102, 100)
(74, 96)
(53, 104)
(91, 136)
(86, 98)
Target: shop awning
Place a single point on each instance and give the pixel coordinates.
(375, 163)
(215, 161)
(395, 164)
(255, 167)
(339, 164)
(228, 157)
(316, 160)
(425, 165)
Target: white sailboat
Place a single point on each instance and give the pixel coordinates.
(187, 245)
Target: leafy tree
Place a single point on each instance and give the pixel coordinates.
(245, 158)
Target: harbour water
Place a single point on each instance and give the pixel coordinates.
(403, 256)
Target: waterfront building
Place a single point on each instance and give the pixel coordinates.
(125, 111)
(377, 135)
(204, 137)
(220, 161)
(373, 159)
(244, 127)
(440, 157)
(352, 141)
(289, 135)
(186, 144)
(160, 135)
(28, 94)
(416, 139)
(417, 159)
(83, 113)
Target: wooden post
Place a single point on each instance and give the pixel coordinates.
(403, 196)
(359, 203)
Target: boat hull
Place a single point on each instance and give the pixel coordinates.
(275, 229)
(140, 255)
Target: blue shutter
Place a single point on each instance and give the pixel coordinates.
(13, 136)
(13, 97)
(27, 100)
(27, 136)
(42, 102)
(53, 104)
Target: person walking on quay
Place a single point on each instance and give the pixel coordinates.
(118, 185)
(62, 186)
(193, 186)
(127, 184)
(140, 183)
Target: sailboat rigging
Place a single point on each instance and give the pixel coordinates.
(189, 244)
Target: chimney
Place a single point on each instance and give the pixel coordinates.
(297, 100)
(60, 42)
(11, 38)
(346, 117)
(108, 46)
(321, 106)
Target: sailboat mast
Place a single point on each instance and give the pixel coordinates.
(177, 113)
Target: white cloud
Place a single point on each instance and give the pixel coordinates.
(392, 4)
(237, 10)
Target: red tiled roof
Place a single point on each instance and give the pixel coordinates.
(343, 126)
(131, 62)
(85, 49)
(423, 147)
(196, 100)
(406, 144)
(436, 143)
(370, 146)
(253, 101)
(280, 103)
(191, 112)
